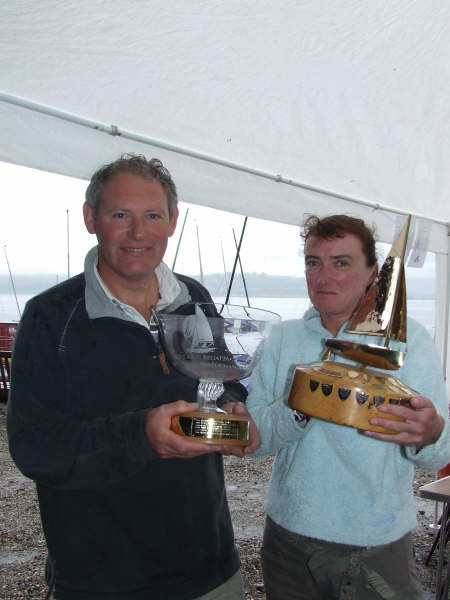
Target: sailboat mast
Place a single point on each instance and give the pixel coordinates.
(199, 256)
(12, 282)
(224, 264)
(179, 240)
(68, 244)
(242, 271)
(236, 260)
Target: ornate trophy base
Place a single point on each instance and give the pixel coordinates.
(346, 395)
(213, 428)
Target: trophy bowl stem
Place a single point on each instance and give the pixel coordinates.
(208, 391)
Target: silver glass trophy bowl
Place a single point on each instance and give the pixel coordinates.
(213, 343)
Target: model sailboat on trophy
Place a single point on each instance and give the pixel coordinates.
(349, 395)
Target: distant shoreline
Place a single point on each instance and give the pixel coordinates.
(259, 285)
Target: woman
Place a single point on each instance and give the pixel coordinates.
(340, 506)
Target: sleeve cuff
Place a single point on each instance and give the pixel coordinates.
(301, 419)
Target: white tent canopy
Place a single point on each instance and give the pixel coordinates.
(264, 110)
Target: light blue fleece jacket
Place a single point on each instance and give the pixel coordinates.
(330, 481)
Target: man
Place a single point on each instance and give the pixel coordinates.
(90, 410)
(340, 505)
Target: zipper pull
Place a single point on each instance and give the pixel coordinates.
(163, 362)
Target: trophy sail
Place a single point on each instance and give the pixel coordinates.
(383, 310)
(349, 395)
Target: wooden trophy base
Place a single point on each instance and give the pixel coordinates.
(347, 395)
(213, 428)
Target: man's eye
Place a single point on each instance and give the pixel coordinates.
(310, 264)
(118, 215)
(153, 216)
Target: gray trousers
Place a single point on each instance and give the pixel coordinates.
(301, 568)
(232, 589)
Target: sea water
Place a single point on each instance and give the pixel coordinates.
(294, 308)
(288, 308)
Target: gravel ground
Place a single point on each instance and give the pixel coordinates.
(22, 548)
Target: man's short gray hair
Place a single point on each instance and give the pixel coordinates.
(136, 164)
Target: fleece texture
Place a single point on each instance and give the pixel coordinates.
(330, 481)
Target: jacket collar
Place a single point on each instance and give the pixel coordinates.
(100, 302)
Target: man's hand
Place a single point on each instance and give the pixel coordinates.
(164, 441)
(422, 425)
(239, 408)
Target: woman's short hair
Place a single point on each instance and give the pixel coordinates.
(337, 226)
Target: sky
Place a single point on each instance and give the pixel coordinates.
(36, 232)
(42, 231)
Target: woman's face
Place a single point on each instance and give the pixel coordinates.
(337, 276)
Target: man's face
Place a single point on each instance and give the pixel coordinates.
(132, 226)
(337, 276)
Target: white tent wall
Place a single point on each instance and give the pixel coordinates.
(208, 180)
(316, 106)
(348, 96)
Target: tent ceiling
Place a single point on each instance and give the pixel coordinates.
(350, 97)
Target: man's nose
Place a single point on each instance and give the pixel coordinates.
(137, 228)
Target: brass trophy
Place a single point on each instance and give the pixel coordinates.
(213, 343)
(349, 395)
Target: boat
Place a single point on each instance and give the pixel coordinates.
(7, 335)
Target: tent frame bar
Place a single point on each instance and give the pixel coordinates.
(114, 130)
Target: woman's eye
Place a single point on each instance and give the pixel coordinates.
(342, 263)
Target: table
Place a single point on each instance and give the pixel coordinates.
(439, 491)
